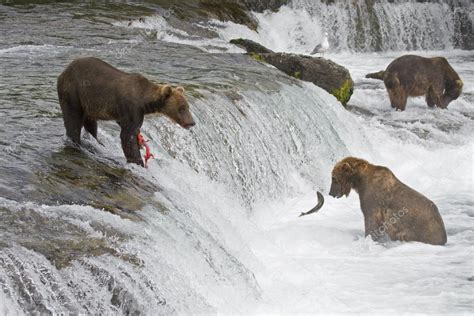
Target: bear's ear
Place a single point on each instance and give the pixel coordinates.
(459, 83)
(166, 91)
(346, 167)
(180, 89)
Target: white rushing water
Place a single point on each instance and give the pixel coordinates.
(231, 240)
(225, 236)
(276, 158)
(323, 263)
(351, 26)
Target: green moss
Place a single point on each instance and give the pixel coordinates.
(237, 41)
(297, 74)
(257, 57)
(343, 94)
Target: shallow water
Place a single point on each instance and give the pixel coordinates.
(212, 225)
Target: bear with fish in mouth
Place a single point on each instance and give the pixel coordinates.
(390, 208)
(413, 76)
(90, 89)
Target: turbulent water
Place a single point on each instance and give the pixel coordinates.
(361, 26)
(211, 226)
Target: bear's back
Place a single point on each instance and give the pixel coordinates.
(100, 88)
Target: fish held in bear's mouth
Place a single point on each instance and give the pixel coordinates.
(317, 207)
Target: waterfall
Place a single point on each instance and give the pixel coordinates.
(212, 225)
(355, 26)
(383, 25)
(255, 143)
(361, 26)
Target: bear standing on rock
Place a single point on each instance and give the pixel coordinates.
(391, 208)
(89, 90)
(414, 76)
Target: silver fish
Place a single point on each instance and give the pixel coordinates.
(317, 207)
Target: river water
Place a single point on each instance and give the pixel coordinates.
(211, 226)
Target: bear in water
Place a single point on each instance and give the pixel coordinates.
(413, 76)
(89, 90)
(391, 208)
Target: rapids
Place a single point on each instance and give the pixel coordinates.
(212, 225)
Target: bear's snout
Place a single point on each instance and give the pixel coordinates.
(189, 125)
(335, 191)
(335, 195)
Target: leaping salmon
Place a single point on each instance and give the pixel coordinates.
(317, 207)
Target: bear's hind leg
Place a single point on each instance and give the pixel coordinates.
(73, 126)
(73, 121)
(73, 116)
(91, 127)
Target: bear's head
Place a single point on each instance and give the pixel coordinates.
(345, 176)
(175, 106)
(452, 90)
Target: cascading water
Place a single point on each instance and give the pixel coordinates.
(360, 26)
(389, 25)
(212, 225)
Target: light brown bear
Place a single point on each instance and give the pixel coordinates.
(413, 76)
(390, 207)
(89, 90)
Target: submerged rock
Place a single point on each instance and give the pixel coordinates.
(71, 176)
(324, 73)
(59, 239)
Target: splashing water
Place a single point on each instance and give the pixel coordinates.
(352, 26)
(219, 230)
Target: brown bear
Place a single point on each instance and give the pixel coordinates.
(90, 89)
(391, 208)
(413, 76)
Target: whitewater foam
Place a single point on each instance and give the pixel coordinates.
(222, 233)
(352, 26)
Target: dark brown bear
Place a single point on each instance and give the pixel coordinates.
(413, 76)
(390, 207)
(89, 90)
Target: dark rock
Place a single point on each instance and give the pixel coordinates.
(324, 73)
(262, 5)
(195, 11)
(250, 46)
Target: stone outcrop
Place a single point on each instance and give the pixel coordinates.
(324, 73)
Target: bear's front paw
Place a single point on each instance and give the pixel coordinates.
(138, 161)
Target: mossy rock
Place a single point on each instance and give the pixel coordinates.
(257, 57)
(250, 46)
(344, 93)
(324, 73)
(297, 74)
